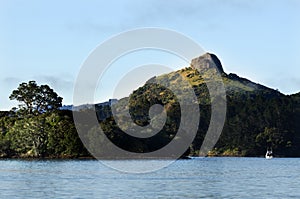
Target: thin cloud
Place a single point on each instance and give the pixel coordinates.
(11, 80)
(58, 82)
(183, 11)
(62, 84)
(162, 13)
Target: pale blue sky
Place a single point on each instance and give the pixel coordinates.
(47, 41)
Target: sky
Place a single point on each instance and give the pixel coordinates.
(48, 41)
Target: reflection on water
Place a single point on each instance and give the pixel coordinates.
(196, 178)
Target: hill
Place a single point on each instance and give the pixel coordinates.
(257, 117)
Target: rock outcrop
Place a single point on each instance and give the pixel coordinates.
(207, 62)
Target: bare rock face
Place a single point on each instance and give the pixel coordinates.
(207, 62)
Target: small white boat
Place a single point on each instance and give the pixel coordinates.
(269, 154)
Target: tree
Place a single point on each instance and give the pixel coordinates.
(36, 99)
(63, 140)
(29, 136)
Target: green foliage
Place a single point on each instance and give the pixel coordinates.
(63, 139)
(35, 99)
(257, 118)
(5, 150)
(28, 136)
(38, 129)
(46, 135)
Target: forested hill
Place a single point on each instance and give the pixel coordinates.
(257, 118)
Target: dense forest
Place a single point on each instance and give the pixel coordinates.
(257, 118)
(38, 128)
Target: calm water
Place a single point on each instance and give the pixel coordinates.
(196, 178)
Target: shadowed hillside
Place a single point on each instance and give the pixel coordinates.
(257, 116)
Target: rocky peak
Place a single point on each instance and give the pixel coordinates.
(206, 62)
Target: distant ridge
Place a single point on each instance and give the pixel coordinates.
(110, 102)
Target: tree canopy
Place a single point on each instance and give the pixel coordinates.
(36, 99)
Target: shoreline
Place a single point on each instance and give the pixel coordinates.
(119, 158)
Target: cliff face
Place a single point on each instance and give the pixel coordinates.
(209, 64)
(206, 62)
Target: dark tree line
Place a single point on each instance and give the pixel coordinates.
(256, 120)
